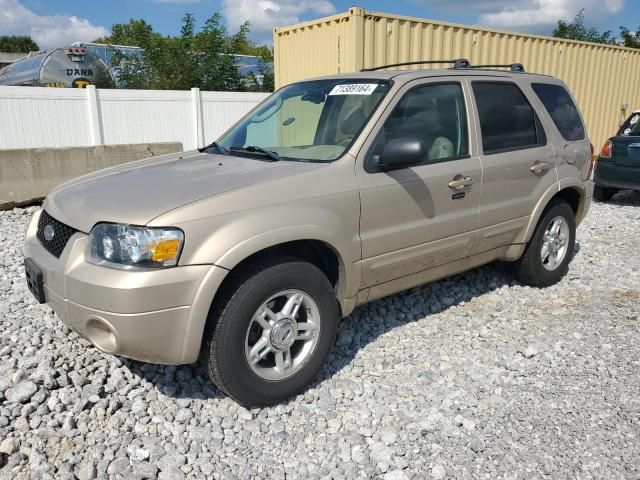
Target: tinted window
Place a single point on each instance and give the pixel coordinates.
(434, 114)
(563, 111)
(507, 121)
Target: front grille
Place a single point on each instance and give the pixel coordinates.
(61, 234)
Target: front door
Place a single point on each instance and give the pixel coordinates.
(420, 217)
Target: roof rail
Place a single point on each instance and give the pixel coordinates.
(457, 63)
(515, 67)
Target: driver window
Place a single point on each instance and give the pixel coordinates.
(434, 114)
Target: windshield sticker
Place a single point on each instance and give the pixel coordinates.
(354, 89)
(635, 119)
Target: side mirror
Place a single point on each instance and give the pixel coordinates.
(402, 153)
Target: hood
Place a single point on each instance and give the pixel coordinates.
(135, 193)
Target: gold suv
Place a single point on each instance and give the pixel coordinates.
(331, 193)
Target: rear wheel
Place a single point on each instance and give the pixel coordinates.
(547, 255)
(603, 194)
(272, 332)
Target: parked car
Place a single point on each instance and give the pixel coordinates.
(331, 193)
(618, 166)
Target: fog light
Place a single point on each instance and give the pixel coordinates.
(102, 335)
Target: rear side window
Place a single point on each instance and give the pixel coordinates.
(507, 120)
(563, 111)
(631, 127)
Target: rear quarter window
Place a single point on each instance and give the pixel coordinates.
(563, 111)
(631, 126)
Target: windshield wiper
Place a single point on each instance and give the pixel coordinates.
(216, 146)
(273, 156)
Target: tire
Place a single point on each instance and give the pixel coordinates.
(603, 194)
(233, 332)
(530, 269)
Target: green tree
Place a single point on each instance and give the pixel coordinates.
(214, 53)
(202, 58)
(268, 80)
(137, 33)
(193, 59)
(630, 39)
(577, 30)
(241, 44)
(17, 44)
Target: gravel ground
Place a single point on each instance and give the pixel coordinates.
(470, 377)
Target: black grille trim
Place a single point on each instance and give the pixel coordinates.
(62, 234)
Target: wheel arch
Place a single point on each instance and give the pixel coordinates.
(320, 253)
(573, 194)
(310, 243)
(317, 252)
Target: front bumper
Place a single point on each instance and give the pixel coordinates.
(153, 315)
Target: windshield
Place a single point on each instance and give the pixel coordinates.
(631, 127)
(310, 121)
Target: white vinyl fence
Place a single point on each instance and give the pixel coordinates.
(39, 117)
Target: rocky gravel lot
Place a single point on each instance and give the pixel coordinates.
(470, 377)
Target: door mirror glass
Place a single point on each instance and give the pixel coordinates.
(402, 153)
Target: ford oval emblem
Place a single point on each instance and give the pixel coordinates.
(49, 233)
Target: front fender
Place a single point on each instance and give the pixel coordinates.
(227, 243)
(225, 230)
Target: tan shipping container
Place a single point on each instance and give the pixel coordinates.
(603, 78)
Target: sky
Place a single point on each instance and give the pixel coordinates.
(55, 23)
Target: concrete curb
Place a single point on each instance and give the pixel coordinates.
(27, 175)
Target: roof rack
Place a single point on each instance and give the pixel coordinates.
(458, 64)
(515, 67)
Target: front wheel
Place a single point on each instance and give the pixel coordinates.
(547, 255)
(272, 332)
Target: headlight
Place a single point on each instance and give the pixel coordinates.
(127, 246)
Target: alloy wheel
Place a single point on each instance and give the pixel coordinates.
(282, 335)
(555, 242)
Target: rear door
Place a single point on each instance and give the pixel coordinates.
(518, 164)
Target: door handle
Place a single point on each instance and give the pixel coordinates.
(459, 182)
(540, 167)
